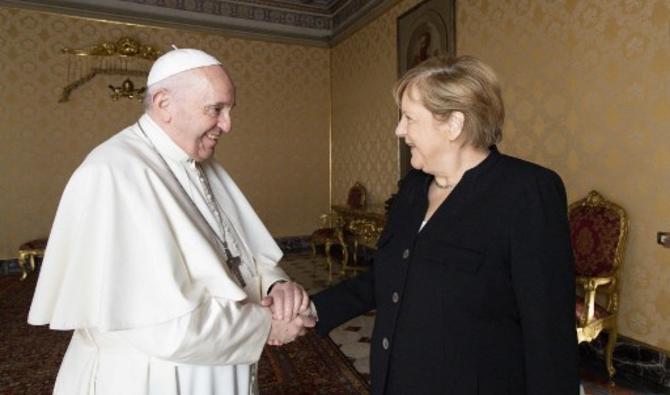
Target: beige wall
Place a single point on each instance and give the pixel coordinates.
(279, 143)
(587, 89)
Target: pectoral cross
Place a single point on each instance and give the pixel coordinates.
(234, 263)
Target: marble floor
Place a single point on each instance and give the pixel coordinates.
(353, 337)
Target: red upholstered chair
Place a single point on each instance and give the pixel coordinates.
(598, 231)
(331, 232)
(356, 198)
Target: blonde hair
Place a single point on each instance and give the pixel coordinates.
(464, 84)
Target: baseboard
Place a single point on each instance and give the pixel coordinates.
(293, 243)
(287, 244)
(632, 357)
(9, 266)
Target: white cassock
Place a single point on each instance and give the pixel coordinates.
(135, 265)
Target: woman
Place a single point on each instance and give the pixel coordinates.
(473, 280)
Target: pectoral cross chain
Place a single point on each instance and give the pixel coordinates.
(234, 262)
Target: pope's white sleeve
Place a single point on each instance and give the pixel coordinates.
(270, 273)
(218, 332)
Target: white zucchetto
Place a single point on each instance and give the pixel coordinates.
(177, 61)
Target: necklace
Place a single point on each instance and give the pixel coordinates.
(447, 186)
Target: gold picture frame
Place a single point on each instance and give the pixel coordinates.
(425, 30)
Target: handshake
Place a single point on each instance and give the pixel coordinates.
(291, 312)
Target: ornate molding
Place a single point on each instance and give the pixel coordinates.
(317, 22)
(124, 47)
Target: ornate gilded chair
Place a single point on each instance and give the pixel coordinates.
(364, 232)
(28, 253)
(598, 231)
(356, 198)
(331, 232)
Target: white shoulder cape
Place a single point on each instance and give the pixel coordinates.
(129, 249)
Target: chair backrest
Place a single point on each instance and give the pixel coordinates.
(598, 231)
(356, 196)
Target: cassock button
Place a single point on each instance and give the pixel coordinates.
(385, 343)
(395, 297)
(405, 254)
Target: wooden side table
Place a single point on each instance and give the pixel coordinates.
(28, 252)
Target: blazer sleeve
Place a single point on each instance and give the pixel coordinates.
(542, 271)
(348, 299)
(351, 298)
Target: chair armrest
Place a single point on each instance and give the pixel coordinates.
(589, 282)
(590, 285)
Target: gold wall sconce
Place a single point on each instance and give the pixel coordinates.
(125, 57)
(127, 89)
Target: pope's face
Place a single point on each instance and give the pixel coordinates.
(201, 113)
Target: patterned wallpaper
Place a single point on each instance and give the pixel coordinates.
(364, 114)
(587, 90)
(279, 143)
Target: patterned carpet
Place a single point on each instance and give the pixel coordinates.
(30, 356)
(310, 365)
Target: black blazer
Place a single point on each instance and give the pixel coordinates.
(481, 301)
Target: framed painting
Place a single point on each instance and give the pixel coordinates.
(425, 30)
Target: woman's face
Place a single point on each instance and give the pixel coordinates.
(425, 135)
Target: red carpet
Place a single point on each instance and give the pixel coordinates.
(30, 356)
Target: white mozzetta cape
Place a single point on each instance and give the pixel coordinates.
(133, 266)
(129, 249)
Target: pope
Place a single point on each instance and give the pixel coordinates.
(157, 261)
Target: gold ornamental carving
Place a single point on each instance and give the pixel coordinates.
(123, 47)
(124, 57)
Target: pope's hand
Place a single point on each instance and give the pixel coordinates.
(286, 300)
(283, 332)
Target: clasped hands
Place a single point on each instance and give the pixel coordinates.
(291, 315)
